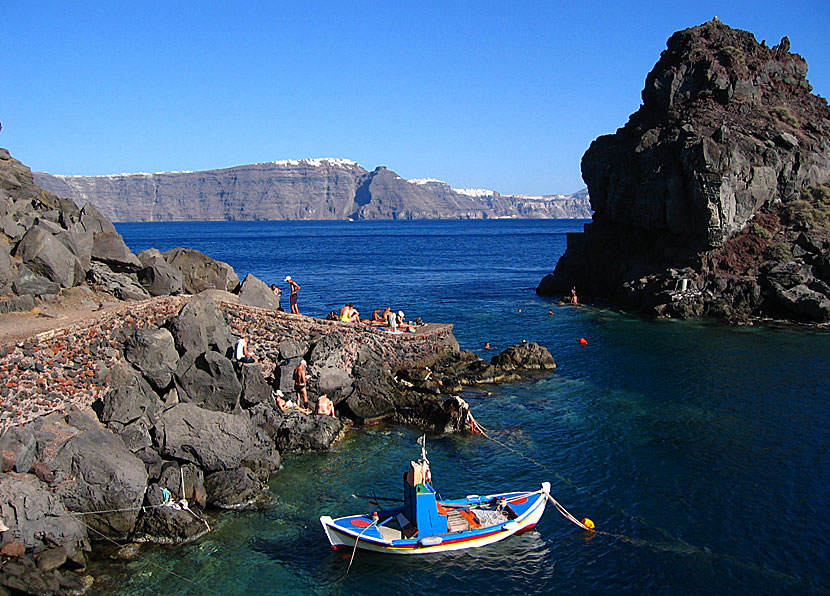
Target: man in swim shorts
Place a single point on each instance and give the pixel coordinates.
(301, 382)
(295, 287)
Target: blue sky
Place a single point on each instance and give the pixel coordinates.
(500, 95)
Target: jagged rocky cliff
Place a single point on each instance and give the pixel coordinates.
(713, 198)
(304, 189)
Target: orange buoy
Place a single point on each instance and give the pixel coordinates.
(583, 341)
(588, 523)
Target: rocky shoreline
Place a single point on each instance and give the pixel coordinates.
(139, 413)
(129, 423)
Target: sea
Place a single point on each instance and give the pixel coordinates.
(701, 451)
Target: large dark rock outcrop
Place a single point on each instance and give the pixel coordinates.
(101, 474)
(710, 182)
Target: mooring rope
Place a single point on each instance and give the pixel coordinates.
(676, 545)
(156, 565)
(354, 550)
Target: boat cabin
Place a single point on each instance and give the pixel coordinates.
(420, 504)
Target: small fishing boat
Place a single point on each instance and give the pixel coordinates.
(425, 523)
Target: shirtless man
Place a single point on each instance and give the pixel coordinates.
(301, 382)
(295, 287)
(377, 317)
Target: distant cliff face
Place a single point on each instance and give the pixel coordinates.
(728, 131)
(306, 189)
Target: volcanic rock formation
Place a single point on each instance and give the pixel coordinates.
(713, 198)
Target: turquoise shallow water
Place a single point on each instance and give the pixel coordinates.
(702, 449)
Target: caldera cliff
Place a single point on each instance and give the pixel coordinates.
(713, 200)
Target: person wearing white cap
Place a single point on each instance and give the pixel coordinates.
(286, 404)
(295, 287)
(301, 382)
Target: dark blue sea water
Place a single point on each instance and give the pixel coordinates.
(703, 450)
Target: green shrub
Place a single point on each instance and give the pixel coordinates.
(785, 116)
(779, 251)
(759, 231)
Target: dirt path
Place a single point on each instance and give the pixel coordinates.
(65, 312)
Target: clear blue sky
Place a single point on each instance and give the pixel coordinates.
(500, 95)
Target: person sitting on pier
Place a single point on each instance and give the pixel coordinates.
(403, 325)
(349, 314)
(391, 319)
(377, 317)
(325, 407)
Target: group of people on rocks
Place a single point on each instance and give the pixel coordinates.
(395, 321)
(324, 407)
(294, 289)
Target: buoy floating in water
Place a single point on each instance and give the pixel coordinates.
(583, 341)
(588, 523)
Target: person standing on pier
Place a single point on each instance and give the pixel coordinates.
(295, 287)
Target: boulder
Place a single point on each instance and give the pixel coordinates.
(21, 445)
(291, 348)
(445, 414)
(209, 380)
(333, 381)
(298, 432)
(172, 477)
(23, 303)
(167, 525)
(374, 395)
(803, 302)
(255, 389)
(129, 398)
(10, 228)
(255, 292)
(120, 285)
(28, 282)
(201, 326)
(101, 474)
(328, 352)
(153, 352)
(200, 272)
(46, 256)
(213, 440)
(234, 489)
(92, 220)
(48, 226)
(157, 276)
(79, 242)
(524, 356)
(7, 268)
(109, 248)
